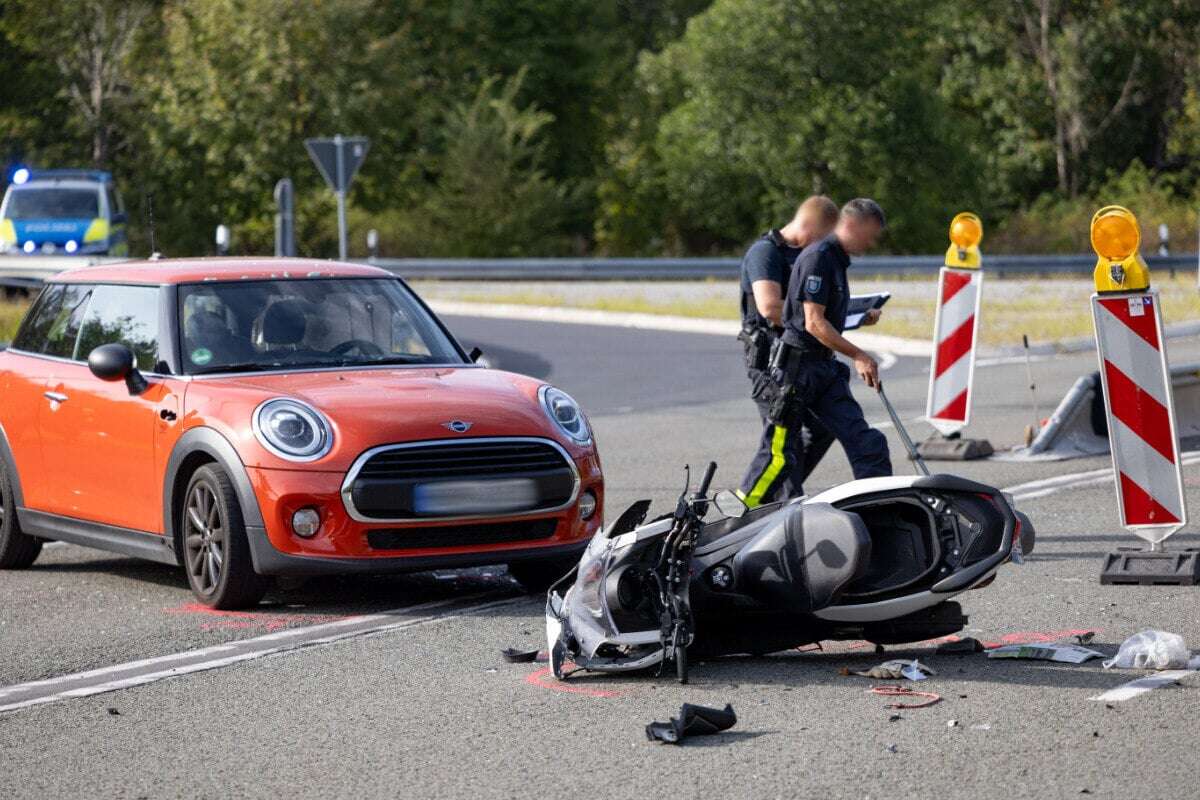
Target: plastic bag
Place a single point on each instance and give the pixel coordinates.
(1151, 650)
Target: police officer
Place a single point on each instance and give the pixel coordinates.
(811, 379)
(766, 268)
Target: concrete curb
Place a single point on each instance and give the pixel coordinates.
(659, 322)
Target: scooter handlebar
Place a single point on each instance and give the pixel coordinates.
(706, 481)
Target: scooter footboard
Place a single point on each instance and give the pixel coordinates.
(944, 619)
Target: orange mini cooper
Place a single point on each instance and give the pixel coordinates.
(252, 418)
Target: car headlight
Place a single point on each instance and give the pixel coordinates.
(566, 414)
(292, 430)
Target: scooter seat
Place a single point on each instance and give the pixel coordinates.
(804, 561)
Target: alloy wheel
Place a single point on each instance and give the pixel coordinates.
(205, 538)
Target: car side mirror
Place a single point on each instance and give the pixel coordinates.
(475, 355)
(119, 218)
(729, 504)
(115, 362)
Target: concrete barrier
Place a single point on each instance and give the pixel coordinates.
(1078, 428)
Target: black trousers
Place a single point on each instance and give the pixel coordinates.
(785, 456)
(821, 395)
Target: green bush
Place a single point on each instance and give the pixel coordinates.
(1056, 225)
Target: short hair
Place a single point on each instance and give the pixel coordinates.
(820, 206)
(864, 208)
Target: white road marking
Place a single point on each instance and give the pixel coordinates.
(1141, 686)
(1001, 361)
(149, 670)
(1045, 487)
(887, 423)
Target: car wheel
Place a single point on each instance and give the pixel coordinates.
(216, 554)
(17, 550)
(538, 576)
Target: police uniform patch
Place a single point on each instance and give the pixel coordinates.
(813, 284)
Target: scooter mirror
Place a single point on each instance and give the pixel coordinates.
(729, 504)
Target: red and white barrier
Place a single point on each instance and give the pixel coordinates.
(952, 371)
(1139, 402)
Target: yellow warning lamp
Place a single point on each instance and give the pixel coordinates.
(1115, 238)
(966, 231)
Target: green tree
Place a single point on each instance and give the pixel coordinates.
(87, 45)
(490, 195)
(779, 99)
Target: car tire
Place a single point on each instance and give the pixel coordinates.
(18, 550)
(538, 576)
(216, 553)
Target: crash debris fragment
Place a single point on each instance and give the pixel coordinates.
(1065, 653)
(927, 698)
(514, 656)
(957, 647)
(1151, 649)
(895, 670)
(692, 721)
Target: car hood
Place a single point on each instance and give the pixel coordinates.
(372, 407)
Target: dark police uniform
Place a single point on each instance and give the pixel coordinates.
(812, 381)
(770, 259)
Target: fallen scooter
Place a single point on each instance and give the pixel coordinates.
(878, 559)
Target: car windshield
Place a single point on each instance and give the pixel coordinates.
(43, 202)
(250, 326)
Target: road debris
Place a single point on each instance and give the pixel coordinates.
(692, 721)
(894, 671)
(1065, 653)
(901, 691)
(1152, 649)
(951, 723)
(113, 712)
(515, 656)
(957, 647)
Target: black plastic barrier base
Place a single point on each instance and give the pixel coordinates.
(1134, 567)
(954, 448)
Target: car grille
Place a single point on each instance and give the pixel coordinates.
(461, 478)
(461, 535)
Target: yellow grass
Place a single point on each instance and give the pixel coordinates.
(10, 317)
(1047, 309)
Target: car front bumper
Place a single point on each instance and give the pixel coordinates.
(344, 545)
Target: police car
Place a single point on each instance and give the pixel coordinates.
(60, 211)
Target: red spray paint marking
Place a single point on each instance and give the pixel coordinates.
(554, 684)
(250, 620)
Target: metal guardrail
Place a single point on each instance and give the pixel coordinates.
(727, 268)
(558, 269)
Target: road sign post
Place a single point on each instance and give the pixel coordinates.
(1139, 406)
(285, 225)
(955, 325)
(338, 160)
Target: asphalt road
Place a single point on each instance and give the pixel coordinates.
(425, 707)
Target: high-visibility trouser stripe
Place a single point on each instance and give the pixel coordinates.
(774, 467)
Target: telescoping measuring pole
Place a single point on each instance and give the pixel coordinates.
(955, 325)
(1138, 404)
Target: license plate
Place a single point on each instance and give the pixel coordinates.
(448, 498)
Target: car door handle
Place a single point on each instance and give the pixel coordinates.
(55, 397)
